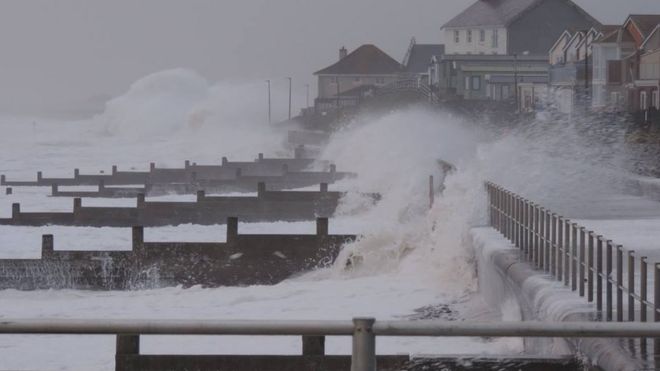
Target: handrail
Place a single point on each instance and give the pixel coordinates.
(362, 330)
(431, 328)
(573, 255)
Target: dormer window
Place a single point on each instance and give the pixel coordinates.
(495, 39)
(469, 36)
(482, 35)
(457, 36)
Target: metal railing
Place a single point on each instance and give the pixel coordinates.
(362, 330)
(588, 263)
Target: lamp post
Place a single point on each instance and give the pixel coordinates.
(515, 80)
(307, 96)
(290, 82)
(269, 106)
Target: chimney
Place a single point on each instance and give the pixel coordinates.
(343, 53)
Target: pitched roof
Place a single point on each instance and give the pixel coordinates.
(617, 36)
(645, 22)
(420, 57)
(365, 60)
(656, 30)
(491, 13)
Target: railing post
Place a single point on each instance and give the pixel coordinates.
(643, 288)
(574, 245)
(535, 230)
(548, 243)
(554, 268)
(542, 234)
(567, 252)
(631, 286)
(516, 221)
(599, 275)
(619, 283)
(126, 345)
(313, 345)
(364, 345)
(590, 268)
(560, 249)
(656, 303)
(582, 262)
(608, 284)
(526, 240)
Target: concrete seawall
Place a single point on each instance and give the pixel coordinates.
(503, 276)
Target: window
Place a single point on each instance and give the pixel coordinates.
(333, 80)
(643, 101)
(654, 99)
(467, 82)
(380, 80)
(482, 35)
(495, 38)
(457, 36)
(356, 79)
(469, 36)
(476, 82)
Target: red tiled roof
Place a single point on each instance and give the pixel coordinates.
(365, 60)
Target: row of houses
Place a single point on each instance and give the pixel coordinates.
(523, 54)
(609, 67)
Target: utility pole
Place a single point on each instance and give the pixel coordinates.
(269, 110)
(290, 82)
(515, 79)
(586, 73)
(307, 99)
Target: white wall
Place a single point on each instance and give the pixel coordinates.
(328, 83)
(650, 66)
(476, 46)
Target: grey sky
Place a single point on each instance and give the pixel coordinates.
(61, 54)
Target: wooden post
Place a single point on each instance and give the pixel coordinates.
(126, 345)
(77, 204)
(140, 200)
(322, 226)
(232, 229)
(47, 246)
(313, 345)
(138, 238)
(15, 211)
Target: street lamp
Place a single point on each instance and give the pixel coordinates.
(290, 81)
(515, 79)
(269, 109)
(307, 98)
